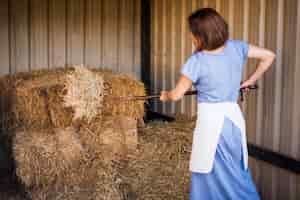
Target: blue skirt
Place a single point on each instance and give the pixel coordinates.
(228, 179)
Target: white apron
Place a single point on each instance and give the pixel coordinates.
(209, 125)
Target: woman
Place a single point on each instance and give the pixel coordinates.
(219, 159)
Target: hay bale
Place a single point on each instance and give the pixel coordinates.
(112, 138)
(101, 182)
(45, 157)
(123, 86)
(68, 126)
(59, 99)
(159, 170)
(84, 93)
(62, 97)
(129, 128)
(55, 165)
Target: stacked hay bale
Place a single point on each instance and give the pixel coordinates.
(68, 125)
(160, 170)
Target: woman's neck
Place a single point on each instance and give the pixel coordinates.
(215, 51)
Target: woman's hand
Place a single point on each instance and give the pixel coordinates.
(247, 83)
(178, 92)
(164, 96)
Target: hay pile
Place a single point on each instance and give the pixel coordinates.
(73, 139)
(62, 97)
(68, 131)
(159, 171)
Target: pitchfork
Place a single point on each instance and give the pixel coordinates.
(188, 93)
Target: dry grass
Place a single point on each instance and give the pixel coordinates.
(160, 171)
(74, 138)
(44, 157)
(64, 97)
(99, 182)
(123, 86)
(56, 165)
(84, 93)
(111, 138)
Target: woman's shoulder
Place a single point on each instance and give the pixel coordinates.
(195, 57)
(239, 46)
(236, 43)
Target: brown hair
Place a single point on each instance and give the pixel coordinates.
(209, 27)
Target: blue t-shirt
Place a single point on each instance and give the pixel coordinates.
(217, 77)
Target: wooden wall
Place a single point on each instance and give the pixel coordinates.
(273, 112)
(38, 34)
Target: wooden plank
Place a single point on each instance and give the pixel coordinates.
(143, 59)
(246, 9)
(295, 152)
(186, 53)
(202, 4)
(167, 65)
(278, 75)
(293, 186)
(137, 39)
(19, 40)
(39, 34)
(75, 32)
(154, 42)
(218, 5)
(230, 21)
(259, 100)
(194, 98)
(111, 11)
(276, 71)
(284, 187)
(93, 33)
(266, 178)
(159, 52)
(253, 10)
(253, 38)
(288, 61)
(4, 37)
(298, 188)
(238, 18)
(57, 33)
(126, 53)
(253, 165)
(173, 39)
(183, 44)
(269, 93)
(224, 9)
(265, 122)
(179, 42)
(289, 182)
(211, 4)
(164, 49)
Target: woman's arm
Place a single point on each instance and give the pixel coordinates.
(266, 58)
(183, 85)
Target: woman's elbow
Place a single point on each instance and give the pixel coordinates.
(270, 57)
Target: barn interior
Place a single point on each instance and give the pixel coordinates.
(68, 67)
